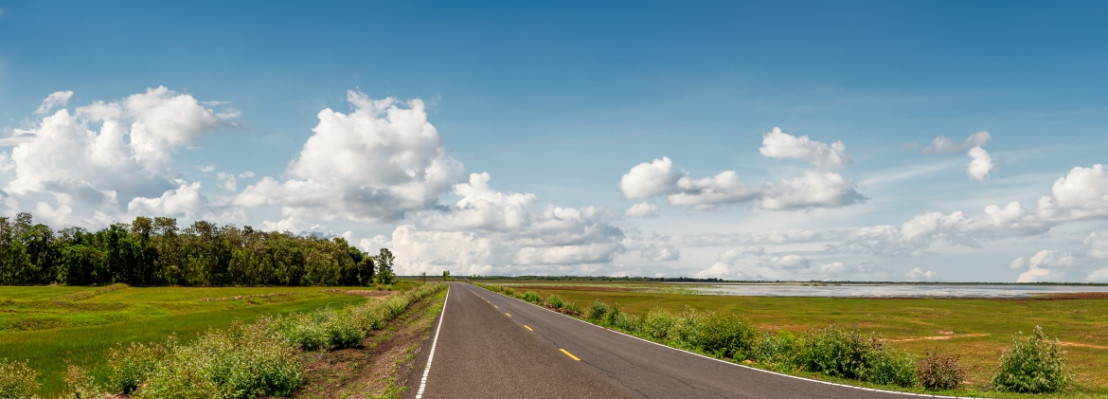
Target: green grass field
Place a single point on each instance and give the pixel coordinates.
(51, 327)
(977, 330)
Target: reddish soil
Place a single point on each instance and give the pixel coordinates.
(1074, 295)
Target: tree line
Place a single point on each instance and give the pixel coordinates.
(155, 252)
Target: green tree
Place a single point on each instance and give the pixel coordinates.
(384, 267)
(365, 270)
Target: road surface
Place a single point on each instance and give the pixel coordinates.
(491, 346)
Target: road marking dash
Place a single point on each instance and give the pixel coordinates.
(496, 306)
(528, 328)
(569, 354)
(509, 314)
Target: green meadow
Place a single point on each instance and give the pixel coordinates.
(976, 330)
(50, 327)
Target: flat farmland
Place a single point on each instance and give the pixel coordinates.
(52, 327)
(977, 330)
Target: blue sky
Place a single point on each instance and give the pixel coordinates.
(516, 132)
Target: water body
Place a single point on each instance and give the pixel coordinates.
(856, 290)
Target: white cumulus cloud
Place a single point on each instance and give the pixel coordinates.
(1042, 266)
(711, 192)
(85, 165)
(1083, 193)
(512, 234)
(814, 189)
(643, 210)
(777, 144)
(917, 274)
(377, 163)
(1096, 243)
(660, 253)
(483, 208)
(1099, 276)
(1080, 195)
(649, 179)
(981, 164)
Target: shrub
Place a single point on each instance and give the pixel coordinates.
(343, 330)
(245, 362)
(685, 331)
(937, 371)
(393, 306)
(367, 320)
(597, 312)
(836, 352)
(614, 315)
(17, 380)
(1033, 364)
(847, 354)
(303, 331)
(78, 384)
(555, 301)
(131, 366)
(531, 296)
(888, 368)
(775, 350)
(617, 318)
(657, 324)
(724, 335)
(186, 383)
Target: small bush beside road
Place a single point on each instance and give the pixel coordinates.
(936, 371)
(1033, 364)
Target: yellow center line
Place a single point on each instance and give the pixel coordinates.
(496, 306)
(509, 314)
(569, 354)
(528, 328)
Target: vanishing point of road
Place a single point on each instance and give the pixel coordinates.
(486, 345)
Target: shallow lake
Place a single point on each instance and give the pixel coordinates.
(892, 290)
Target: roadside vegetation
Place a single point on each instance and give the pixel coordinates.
(1030, 364)
(245, 360)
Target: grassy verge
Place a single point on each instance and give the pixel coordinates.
(86, 323)
(384, 368)
(905, 328)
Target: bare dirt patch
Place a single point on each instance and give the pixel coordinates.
(1081, 345)
(241, 297)
(946, 335)
(377, 370)
(368, 293)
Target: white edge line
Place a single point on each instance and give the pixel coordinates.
(924, 395)
(435, 342)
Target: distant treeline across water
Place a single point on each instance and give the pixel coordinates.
(150, 252)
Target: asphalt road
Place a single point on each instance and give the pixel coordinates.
(491, 346)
